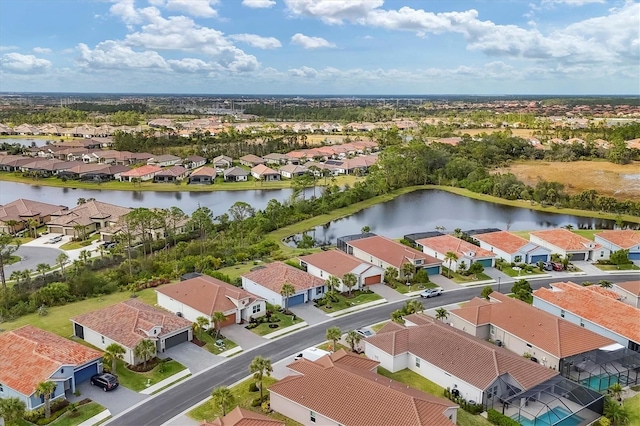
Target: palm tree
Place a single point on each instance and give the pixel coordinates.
(365, 229)
(353, 339)
(33, 226)
(217, 319)
(397, 316)
(408, 269)
(112, 354)
(260, 367)
(333, 283)
(42, 268)
(223, 398)
(413, 306)
(617, 413)
(605, 284)
(12, 225)
(45, 389)
(349, 280)
(61, 260)
(390, 275)
(85, 255)
(145, 350)
(200, 325)
(286, 292)
(12, 410)
(334, 334)
(615, 390)
(450, 257)
(442, 314)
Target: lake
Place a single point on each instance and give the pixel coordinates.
(26, 141)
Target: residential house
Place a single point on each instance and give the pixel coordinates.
(625, 239)
(524, 329)
(86, 218)
(203, 295)
(140, 157)
(171, 174)
(205, 175)
(13, 163)
(165, 160)
(275, 158)
(267, 281)
(235, 174)
(31, 356)
(222, 162)
(107, 172)
(128, 323)
(513, 248)
(194, 161)
(290, 171)
(594, 308)
(262, 172)
(143, 173)
(251, 160)
(22, 210)
(47, 167)
(296, 157)
(338, 263)
(243, 417)
(303, 396)
(629, 292)
(359, 165)
(466, 252)
(384, 252)
(566, 243)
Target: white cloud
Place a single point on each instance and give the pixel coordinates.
(303, 72)
(333, 11)
(42, 50)
(6, 48)
(200, 8)
(258, 4)
(114, 55)
(572, 2)
(190, 65)
(23, 64)
(126, 10)
(310, 42)
(257, 41)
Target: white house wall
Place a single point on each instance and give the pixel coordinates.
(96, 339)
(297, 412)
(519, 346)
(270, 296)
(498, 252)
(387, 361)
(175, 306)
(612, 247)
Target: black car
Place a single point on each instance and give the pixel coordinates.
(106, 381)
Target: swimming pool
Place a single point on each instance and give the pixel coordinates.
(600, 383)
(550, 418)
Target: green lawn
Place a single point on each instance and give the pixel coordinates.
(211, 340)
(12, 259)
(327, 346)
(508, 270)
(139, 381)
(285, 321)
(72, 245)
(85, 412)
(633, 406)
(345, 301)
(461, 279)
(627, 267)
(404, 289)
(377, 327)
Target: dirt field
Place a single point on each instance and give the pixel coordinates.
(622, 182)
(523, 133)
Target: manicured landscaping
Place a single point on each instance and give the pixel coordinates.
(73, 245)
(626, 267)
(280, 319)
(404, 289)
(210, 343)
(85, 412)
(12, 259)
(328, 346)
(377, 327)
(140, 381)
(633, 406)
(508, 270)
(345, 301)
(462, 279)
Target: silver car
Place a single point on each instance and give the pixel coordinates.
(431, 292)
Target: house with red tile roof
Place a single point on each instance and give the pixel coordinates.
(629, 292)
(267, 281)
(92, 215)
(384, 252)
(31, 356)
(128, 323)
(243, 417)
(304, 397)
(262, 172)
(251, 160)
(338, 263)
(203, 295)
(171, 174)
(480, 371)
(143, 173)
(565, 242)
(468, 253)
(513, 248)
(522, 328)
(624, 239)
(23, 210)
(593, 308)
(203, 175)
(165, 160)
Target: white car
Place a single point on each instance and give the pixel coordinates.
(364, 332)
(431, 292)
(55, 239)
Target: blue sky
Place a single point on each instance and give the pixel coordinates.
(344, 47)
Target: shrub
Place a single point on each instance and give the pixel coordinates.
(500, 419)
(253, 387)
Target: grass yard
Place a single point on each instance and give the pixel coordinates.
(627, 267)
(509, 271)
(211, 343)
(72, 245)
(404, 289)
(461, 279)
(85, 412)
(285, 321)
(328, 346)
(139, 381)
(344, 301)
(12, 259)
(633, 406)
(377, 327)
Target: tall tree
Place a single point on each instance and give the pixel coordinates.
(442, 314)
(217, 319)
(12, 410)
(390, 275)
(260, 367)
(353, 338)
(62, 260)
(408, 269)
(349, 280)
(44, 390)
(33, 226)
(8, 246)
(334, 334)
(223, 398)
(145, 350)
(450, 257)
(112, 354)
(202, 221)
(42, 269)
(200, 325)
(333, 283)
(286, 292)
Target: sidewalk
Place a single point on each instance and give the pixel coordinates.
(285, 330)
(163, 383)
(96, 419)
(357, 308)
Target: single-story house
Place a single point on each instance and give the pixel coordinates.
(513, 248)
(109, 172)
(206, 175)
(15, 216)
(304, 397)
(128, 323)
(251, 160)
(165, 160)
(629, 292)
(31, 356)
(524, 329)
(12, 163)
(222, 162)
(262, 172)
(290, 171)
(594, 308)
(267, 281)
(384, 252)
(142, 173)
(171, 174)
(91, 216)
(275, 158)
(338, 263)
(468, 253)
(625, 239)
(46, 167)
(203, 295)
(243, 417)
(235, 174)
(194, 161)
(567, 243)
(140, 157)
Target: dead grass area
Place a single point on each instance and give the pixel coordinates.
(523, 133)
(615, 180)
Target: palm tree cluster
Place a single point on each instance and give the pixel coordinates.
(410, 307)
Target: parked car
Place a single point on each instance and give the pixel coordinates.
(106, 381)
(364, 333)
(55, 239)
(108, 245)
(547, 266)
(557, 266)
(431, 292)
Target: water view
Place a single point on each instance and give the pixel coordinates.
(25, 141)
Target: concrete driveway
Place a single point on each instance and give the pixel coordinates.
(309, 313)
(115, 401)
(244, 338)
(444, 282)
(387, 292)
(31, 256)
(192, 356)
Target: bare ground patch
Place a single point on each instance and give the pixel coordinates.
(523, 133)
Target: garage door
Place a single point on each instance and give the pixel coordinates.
(579, 256)
(85, 373)
(78, 330)
(176, 340)
(375, 279)
(486, 262)
(634, 256)
(538, 258)
(433, 270)
(298, 299)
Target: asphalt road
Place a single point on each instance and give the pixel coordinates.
(30, 257)
(163, 407)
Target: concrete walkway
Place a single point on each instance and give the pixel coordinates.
(387, 293)
(244, 338)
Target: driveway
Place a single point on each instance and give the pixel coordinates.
(192, 356)
(387, 292)
(495, 274)
(444, 282)
(115, 401)
(588, 268)
(246, 339)
(31, 257)
(309, 313)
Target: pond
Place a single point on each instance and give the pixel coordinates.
(28, 142)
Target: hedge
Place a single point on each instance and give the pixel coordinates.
(500, 419)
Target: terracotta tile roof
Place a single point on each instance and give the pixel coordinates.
(261, 169)
(380, 401)
(250, 158)
(594, 306)
(172, 171)
(392, 252)
(31, 355)
(503, 240)
(235, 171)
(334, 262)
(205, 171)
(86, 213)
(552, 334)
(347, 359)
(625, 238)
(632, 287)
(274, 275)
(124, 322)
(473, 360)
(293, 168)
(165, 157)
(24, 209)
(243, 417)
(566, 240)
(445, 243)
(207, 294)
(142, 171)
(418, 319)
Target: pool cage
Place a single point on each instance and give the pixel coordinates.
(601, 368)
(557, 401)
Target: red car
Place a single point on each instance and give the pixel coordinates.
(557, 266)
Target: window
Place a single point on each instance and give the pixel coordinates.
(1, 388)
(492, 330)
(517, 259)
(312, 417)
(417, 362)
(102, 339)
(319, 290)
(321, 274)
(257, 308)
(581, 322)
(562, 313)
(418, 261)
(528, 345)
(601, 254)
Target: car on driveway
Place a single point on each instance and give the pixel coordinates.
(55, 239)
(106, 381)
(364, 333)
(431, 292)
